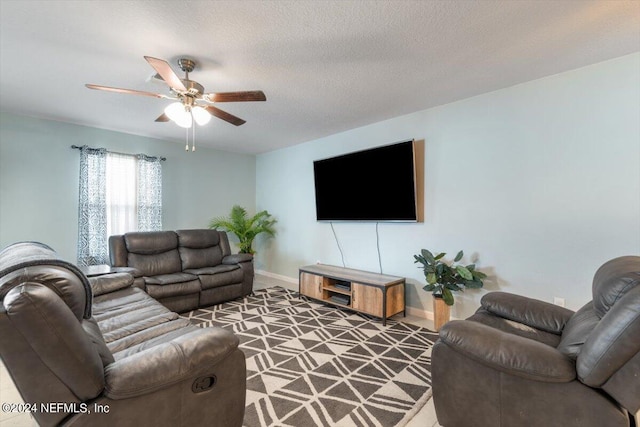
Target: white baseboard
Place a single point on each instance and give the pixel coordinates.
(287, 279)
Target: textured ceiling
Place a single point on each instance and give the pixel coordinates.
(325, 66)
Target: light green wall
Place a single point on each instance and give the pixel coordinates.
(39, 180)
(540, 181)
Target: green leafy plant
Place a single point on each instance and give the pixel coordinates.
(442, 278)
(244, 227)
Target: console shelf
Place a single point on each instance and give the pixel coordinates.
(375, 294)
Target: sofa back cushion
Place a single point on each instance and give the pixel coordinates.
(36, 262)
(56, 337)
(612, 280)
(153, 253)
(577, 330)
(199, 248)
(118, 251)
(613, 342)
(602, 335)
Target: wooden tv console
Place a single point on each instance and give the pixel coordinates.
(379, 295)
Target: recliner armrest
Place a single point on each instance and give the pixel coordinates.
(185, 357)
(508, 353)
(531, 312)
(237, 258)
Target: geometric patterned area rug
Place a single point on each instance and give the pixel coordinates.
(309, 364)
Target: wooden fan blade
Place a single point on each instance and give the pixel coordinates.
(224, 115)
(164, 69)
(129, 91)
(252, 95)
(163, 118)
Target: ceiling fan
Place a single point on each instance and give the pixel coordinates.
(192, 103)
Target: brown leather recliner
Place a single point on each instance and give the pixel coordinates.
(520, 361)
(132, 362)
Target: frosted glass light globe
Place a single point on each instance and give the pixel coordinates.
(200, 115)
(178, 113)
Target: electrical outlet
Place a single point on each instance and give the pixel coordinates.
(558, 301)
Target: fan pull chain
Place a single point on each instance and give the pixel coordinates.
(193, 139)
(193, 135)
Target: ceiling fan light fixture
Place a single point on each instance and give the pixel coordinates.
(177, 112)
(200, 115)
(188, 92)
(185, 121)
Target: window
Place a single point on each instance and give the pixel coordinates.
(118, 193)
(121, 191)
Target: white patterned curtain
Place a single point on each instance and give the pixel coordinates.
(92, 211)
(118, 193)
(149, 201)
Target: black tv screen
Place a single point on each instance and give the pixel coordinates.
(371, 185)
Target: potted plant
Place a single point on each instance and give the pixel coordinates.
(244, 227)
(442, 278)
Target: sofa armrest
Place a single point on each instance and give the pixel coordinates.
(131, 270)
(512, 354)
(237, 258)
(188, 356)
(110, 283)
(531, 312)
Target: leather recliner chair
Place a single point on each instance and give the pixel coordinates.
(523, 362)
(170, 374)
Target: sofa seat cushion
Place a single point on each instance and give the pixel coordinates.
(174, 290)
(221, 278)
(130, 326)
(143, 317)
(130, 317)
(169, 279)
(144, 335)
(166, 336)
(119, 302)
(506, 325)
(212, 270)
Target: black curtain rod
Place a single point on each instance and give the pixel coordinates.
(77, 147)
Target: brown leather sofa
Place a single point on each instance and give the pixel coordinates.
(118, 358)
(519, 361)
(184, 269)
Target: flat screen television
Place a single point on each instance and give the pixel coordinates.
(377, 184)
